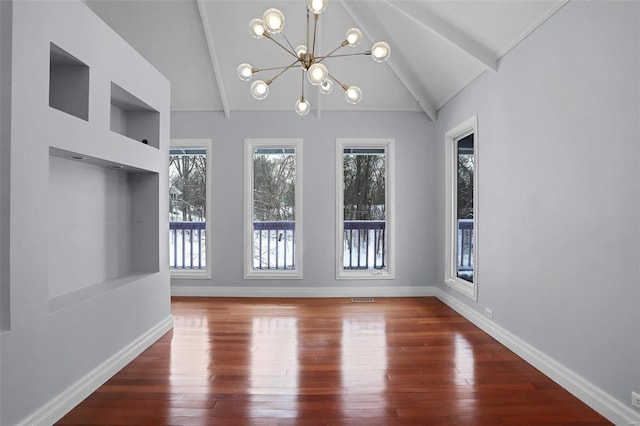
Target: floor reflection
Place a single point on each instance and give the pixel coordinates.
(190, 352)
(364, 353)
(274, 358)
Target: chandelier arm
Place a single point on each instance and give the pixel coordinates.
(267, 35)
(322, 58)
(288, 42)
(282, 72)
(255, 70)
(307, 29)
(315, 32)
(343, 44)
(344, 86)
(302, 85)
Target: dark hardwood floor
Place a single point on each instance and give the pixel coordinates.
(400, 361)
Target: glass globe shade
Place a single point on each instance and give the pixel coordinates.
(353, 94)
(317, 6)
(327, 87)
(302, 107)
(273, 20)
(353, 37)
(259, 89)
(380, 51)
(317, 74)
(301, 49)
(256, 28)
(245, 72)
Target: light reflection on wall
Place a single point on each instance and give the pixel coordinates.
(364, 354)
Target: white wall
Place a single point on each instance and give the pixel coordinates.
(559, 237)
(5, 154)
(415, 221)
(50, 359)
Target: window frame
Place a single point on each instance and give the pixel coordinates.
(207, 145)
(388, 144)
(464, 129)
(249, 273)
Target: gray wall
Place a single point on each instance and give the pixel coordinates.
(415, 185)
(559, 209)
(5, 154)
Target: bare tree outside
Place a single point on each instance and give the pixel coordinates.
(188, 184)
(364, 208)
(274, 208)
(187, 208)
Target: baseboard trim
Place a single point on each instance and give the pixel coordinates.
(55, 409)
(341, 291)
(602, 402)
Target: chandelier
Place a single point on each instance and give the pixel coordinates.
(304, 56)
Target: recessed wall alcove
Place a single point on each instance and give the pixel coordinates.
(133, 118)
(68, 83)
(103, 226)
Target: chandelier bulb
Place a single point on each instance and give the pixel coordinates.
(353, 37)
(317, 74)
(353, 94)
(245, 72)
(256, 28)
(259, 90)
(317, 6)
(380, 51)
(301, 49)
(302, 106)
(327, 87)
(273, 20)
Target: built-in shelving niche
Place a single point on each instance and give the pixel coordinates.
(103, 228)
(68, 83)
(133, 118)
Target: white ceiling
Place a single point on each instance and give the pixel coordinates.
(438, 47)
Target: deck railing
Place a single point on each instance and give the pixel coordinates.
(364, 244)
(465, 245)
(274, 245)
(187, 248)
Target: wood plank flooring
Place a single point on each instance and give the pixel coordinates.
(400, 361)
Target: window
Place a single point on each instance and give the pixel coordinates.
(273, 208)
(461, 207)
(365, 203)
(189, 208)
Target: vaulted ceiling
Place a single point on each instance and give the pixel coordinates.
(437, 48)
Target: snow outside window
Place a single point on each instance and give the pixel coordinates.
(190, 208)
(273, 208)
(365, 209)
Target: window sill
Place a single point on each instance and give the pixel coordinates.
(189, 275)
(464, 287)
(273, 275)
(365, 275)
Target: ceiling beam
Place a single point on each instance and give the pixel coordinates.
(215, 64)
(418, 13)
(398, 63)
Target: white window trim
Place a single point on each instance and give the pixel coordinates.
(462, 130)
(249, 272)
(206, 273)
(390, 234)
